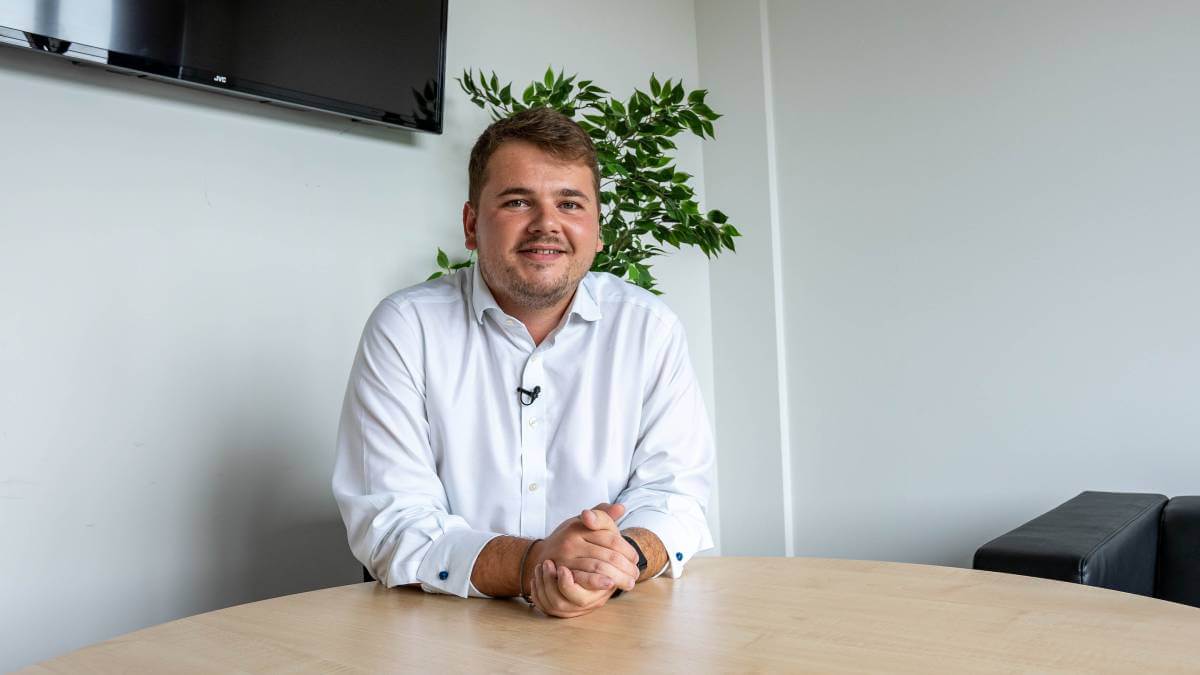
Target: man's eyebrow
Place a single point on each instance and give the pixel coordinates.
(525, 192)
(522, 191)
(572, 192)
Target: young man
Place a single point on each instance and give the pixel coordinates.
(487, 410)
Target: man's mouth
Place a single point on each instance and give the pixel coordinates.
(541, 253)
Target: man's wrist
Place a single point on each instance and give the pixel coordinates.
(529, 563)
(652, 548)
(498, 567)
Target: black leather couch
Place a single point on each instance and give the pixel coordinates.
(1138, 543)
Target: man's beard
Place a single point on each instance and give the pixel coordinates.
(537, 295)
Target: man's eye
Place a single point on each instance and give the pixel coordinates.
(571, 205)
(515, 202)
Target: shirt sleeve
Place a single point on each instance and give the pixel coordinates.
(385, 480)
(669, 485)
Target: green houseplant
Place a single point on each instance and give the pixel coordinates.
(643, 196)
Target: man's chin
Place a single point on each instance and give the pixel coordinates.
(542, 294)
(542, 297)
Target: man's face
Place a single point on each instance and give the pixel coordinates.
(536, 227)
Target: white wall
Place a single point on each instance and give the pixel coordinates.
(183, 278)
(752, 447)
(989, 231)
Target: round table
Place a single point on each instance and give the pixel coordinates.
(724, 614)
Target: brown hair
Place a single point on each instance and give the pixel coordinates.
(548, 129)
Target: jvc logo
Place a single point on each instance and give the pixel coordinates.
(220, 79)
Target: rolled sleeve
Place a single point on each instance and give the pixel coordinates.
(669, 486)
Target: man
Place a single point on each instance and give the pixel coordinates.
(488, 409)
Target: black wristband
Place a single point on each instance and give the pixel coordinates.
(641, 563)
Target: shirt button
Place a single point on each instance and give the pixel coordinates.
(679, 556)
(535, 358)
(533, 421)
(533, 487)
(443, 575)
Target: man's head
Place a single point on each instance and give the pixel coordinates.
(534, 209)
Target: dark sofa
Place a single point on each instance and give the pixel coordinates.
(1138, 543)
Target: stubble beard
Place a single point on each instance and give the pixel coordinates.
(533, 295)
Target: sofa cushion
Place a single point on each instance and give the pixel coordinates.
(1107, 539)
(1179, 552)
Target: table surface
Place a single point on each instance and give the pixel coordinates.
(724, 614)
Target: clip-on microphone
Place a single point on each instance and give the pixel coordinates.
(531, 394)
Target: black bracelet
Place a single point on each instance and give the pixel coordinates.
(521, 588)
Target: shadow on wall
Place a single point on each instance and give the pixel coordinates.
(274, 528)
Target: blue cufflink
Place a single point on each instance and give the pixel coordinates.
(443, 575)
(679, 557)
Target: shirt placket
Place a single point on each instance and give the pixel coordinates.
(533, 450)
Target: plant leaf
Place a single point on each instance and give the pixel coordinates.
(645, 202)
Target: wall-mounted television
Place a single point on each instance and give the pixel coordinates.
(380, 61)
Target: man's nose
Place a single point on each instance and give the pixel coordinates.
(545, 219)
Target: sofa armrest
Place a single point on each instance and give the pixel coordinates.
(1107, 539)
(1179, 552)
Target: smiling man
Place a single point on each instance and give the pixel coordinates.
(525, 426)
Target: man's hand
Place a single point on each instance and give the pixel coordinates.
(556, 593)
(591, 546)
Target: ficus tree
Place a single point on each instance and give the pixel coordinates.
(646, 201)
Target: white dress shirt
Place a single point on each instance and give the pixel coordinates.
(436, 454)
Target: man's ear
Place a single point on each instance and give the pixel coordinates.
(469, 221)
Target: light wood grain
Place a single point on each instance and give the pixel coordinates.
(724, 615)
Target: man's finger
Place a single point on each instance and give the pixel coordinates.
(556, 603)
(572, 592)
(535, 590)
(590, 520)
(621, 579)
(615, 511)
(612, 540)
(592, 581)
(617, 559)
(541, 593)
(597, 519)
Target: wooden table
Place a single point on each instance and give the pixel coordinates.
(725, 614)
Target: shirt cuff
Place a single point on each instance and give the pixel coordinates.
(447, 565)
(676, 539)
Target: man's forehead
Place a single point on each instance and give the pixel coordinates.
(520, 167)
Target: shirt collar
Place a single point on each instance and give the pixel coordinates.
(481, 295)
(584, 303)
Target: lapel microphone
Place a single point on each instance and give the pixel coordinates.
(531, 395)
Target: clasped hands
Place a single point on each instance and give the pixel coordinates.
(582, 563)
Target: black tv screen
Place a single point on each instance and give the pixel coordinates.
(374, 60)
